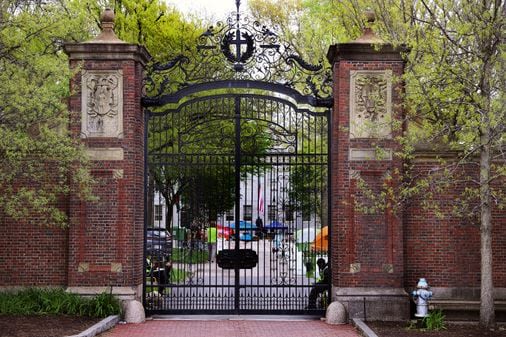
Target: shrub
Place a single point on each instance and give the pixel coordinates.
(34, 301)
(185, 255)
(103, 305)
(178, 275)
(435, 320)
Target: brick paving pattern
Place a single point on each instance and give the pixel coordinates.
(231, 328)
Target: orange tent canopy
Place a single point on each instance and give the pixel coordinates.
(321, 241)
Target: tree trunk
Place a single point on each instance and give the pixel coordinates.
(487, 310)
(150, 201)
(168, 213)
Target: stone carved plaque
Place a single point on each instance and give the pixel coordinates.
(370, 104)
(102, 104)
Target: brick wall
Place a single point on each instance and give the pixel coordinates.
(31, 253)
(446, 250)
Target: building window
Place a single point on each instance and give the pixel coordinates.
(248, 212)
(158, 212)
(272, 211)
(230, 215)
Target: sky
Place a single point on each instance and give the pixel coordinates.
(216, 9)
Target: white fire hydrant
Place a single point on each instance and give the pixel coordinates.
(421, 296)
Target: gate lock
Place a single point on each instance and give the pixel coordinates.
(240, 259)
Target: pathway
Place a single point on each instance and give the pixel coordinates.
(232, 327)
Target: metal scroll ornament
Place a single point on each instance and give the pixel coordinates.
(240, 49)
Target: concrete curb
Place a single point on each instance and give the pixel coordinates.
(363, 328)
(101, 326)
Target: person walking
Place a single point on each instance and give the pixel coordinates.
(212, 238)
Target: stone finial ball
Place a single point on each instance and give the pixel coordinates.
(107, 15)
(369, 14)
(336, 313)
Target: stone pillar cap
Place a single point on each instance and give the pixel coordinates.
(107, 24)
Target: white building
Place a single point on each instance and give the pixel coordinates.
(265, 196)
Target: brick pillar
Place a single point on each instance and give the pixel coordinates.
(367, 260)
(106, 235)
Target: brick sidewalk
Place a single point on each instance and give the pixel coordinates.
(231, 328)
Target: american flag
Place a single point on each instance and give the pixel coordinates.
(260, 199)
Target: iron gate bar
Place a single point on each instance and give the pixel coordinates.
(219, 286)
(237, 172)
(145, 215)
(295, 106)
(193, 160)
(238, 84)
(181, 158)
(181, 164)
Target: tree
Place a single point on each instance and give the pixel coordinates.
(161, 29)
(454, 95)
(303, 23)
(455, 86)
(190, 153)
(308, 190)
(39, 160)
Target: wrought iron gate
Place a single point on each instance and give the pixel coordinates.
(237, 165)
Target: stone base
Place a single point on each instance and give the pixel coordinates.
(463, 304)
(371, 304)
(336, 313)
(122, 293)
(133, 311)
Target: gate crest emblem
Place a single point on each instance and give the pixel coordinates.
(240, 49)
(238, 39)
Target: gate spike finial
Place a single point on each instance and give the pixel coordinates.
(238, 5)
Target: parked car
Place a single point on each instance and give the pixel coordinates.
(158, 241)
(246, 236)
(224, 232)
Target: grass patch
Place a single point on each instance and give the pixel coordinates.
(185, 255)
(178, 275)
(35, 301)
(435, 320)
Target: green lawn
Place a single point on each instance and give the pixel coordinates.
(185, 255)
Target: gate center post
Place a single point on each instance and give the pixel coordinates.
(237, 161)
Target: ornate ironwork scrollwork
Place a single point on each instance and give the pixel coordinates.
(240, 49)
(303, 63)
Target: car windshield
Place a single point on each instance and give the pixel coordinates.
(161, 233)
